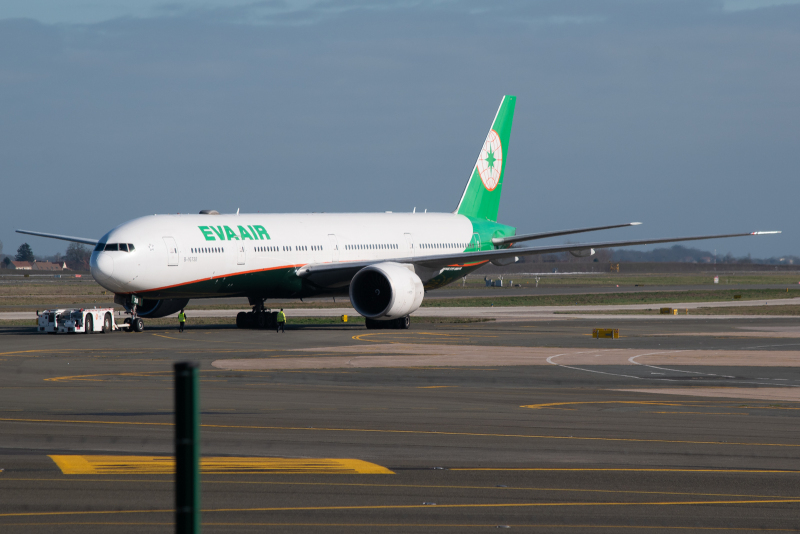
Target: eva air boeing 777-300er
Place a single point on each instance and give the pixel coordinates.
(383, 261)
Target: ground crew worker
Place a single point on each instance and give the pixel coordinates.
(182, 319)
(281, 321)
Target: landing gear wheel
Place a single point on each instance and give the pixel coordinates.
(89, 325)
(127, 322)
(371, 324)
(107, 323)
(404, 322)
(137, 324)
(261, 321)
(241, 320)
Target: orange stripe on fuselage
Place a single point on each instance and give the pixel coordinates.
(292, 266)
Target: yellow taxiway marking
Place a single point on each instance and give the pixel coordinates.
(165, 465)
(569, 504)
(91, 377)
(417, 486)
(626, 470)
(679, 404)
(408, 338)
(434, 387)
(373, 526)
(703, 413)
(418, 432)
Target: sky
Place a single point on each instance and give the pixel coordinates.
(680, 114)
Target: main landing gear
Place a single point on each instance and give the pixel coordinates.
(259, 318)
(402, 323)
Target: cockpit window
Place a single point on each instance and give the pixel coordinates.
(124, 247)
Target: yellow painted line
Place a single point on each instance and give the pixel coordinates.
(626, 469)
(408, 338)
(167, 337)
(642, 403)
(416, 486)
(420, 525)
(434, 387)
(90, 377)
(687, 404)
(703, 413)
(165, 465)
(418, 506)
(417, 432)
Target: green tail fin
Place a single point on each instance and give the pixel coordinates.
(481, 197)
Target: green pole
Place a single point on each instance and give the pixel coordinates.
(187, 448)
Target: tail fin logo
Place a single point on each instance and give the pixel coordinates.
(490, 162)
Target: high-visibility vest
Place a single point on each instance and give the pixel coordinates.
(182, 317)
(281, 317)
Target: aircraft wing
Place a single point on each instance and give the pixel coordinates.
(83, 240)
(339, 274)
(497, 241)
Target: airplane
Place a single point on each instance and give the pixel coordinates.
(385, 262)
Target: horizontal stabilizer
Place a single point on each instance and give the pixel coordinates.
(84, 240)
(497, 241)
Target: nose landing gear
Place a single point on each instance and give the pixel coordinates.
(130, 303)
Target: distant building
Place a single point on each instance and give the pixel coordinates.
(20, 265)
(48, 266)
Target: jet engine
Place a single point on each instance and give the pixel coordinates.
(386, 291)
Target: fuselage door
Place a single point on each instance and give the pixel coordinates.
(410, 245)
(241, 254)
(334, 247)
(172, 251)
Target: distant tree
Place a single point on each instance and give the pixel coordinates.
(24, 253)
(77, 257)
(6, 261)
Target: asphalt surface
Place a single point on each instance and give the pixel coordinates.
(544, 448)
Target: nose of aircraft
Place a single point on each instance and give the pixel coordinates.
(102, 267)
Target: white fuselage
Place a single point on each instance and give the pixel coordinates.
(170, 251)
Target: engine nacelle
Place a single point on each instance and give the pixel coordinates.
(386, 291)
(582, 252)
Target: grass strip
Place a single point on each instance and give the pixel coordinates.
(778, 310)
(602, 299)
